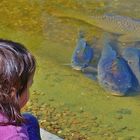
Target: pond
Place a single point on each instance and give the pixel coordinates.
(67, 103)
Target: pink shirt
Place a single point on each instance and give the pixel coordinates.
(11, 132)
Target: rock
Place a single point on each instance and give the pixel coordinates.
(114, 73)
(45, 135)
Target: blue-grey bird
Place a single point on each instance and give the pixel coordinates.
(113, 71)
(128, 28)
(132, 56)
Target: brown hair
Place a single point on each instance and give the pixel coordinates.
(16, 66)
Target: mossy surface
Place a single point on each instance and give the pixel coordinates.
(65, 101)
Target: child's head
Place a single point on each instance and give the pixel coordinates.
(17, 67)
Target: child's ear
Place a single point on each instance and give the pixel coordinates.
(13, 92)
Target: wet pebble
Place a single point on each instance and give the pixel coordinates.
(119, 117)
(94, 118)
(121, 129)
(51, 99)
(81, 110)
(95, 124)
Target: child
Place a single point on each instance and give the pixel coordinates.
(17, 68)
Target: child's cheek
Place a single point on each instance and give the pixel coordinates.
(24, 98)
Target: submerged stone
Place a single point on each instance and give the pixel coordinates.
(132, 56)
(82, 55)
(113, 71)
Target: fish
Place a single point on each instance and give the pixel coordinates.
(114, 73)
(127, 28)
(82, 55)
(132, 56)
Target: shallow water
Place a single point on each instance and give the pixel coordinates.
(67, 103)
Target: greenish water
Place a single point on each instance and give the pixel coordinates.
(65, 102)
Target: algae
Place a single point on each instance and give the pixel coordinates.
(65, 102)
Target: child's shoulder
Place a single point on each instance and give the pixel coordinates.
(12, 132)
